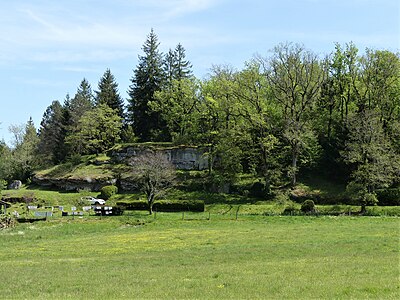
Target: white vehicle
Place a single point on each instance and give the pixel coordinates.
(93, 200)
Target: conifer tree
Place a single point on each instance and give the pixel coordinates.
(182, 67)
(147, 79)
(169, 68)
(51, 148)
(176, 66)
(23, 158)
(108, 93)
(82, 101)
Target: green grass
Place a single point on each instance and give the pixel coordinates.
(254, 257)
(45, 197)
(215, 203)
(90, 166)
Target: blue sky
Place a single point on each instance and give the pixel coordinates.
(47, 47)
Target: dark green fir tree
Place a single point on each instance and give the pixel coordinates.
(108, 93)
(147, 79)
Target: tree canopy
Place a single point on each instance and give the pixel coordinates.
(278, 118)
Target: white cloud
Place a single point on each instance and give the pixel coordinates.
(51, 32)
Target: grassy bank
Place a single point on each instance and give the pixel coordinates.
(138, 256)
(226, 204)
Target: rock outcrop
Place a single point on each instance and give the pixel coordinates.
(182, 157)
(68, 184)
(15, 185)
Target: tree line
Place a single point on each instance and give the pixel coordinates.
(280, 116)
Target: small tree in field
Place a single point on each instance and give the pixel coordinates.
(154, 175)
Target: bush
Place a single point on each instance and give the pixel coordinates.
(75, 159)
(3, 184)
(107, 191)
(308, 206)
(291, 210)
(165, 205)
(388, 197)
(181, 205)
(259, 190)
(133, 205)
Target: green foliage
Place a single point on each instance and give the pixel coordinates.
(376, 164)
(108, 191)
(20, 161)
(108, 93)
(80, 104)
(295, 77)
(165, 205)
(360, 195)
(292, 114)
(388, 196)
(51, 147)
(179, 205)
(259, 190)
(178, 104)
(75, 159)
(3, 184)
(308, 206)
(291, 209)
(97, 130)
(148, 78)
(6, 165)
(133, 204)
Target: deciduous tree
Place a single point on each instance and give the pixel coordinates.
(154, 175)
(97, 130)
(295, 76)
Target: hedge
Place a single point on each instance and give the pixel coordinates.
(133, 205)
(165, 205)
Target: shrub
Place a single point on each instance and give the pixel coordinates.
(107, 191)
(259, 190)
(75, 159)
(165, 205)
(290, 210)
(133, 205)
(308, 206)
(3, 184)
(388, 197)
(181, 205)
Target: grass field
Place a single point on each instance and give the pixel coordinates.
(255, 257)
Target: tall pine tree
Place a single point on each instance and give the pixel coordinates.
(108, 93)
(147, 79)
(182, 67)
(82, 101)
(176, 66)
(51, 148)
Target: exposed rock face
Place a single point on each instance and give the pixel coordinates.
(182, 157)
(15, 185)
(74, 184)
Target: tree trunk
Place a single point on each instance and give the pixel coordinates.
(150, 201)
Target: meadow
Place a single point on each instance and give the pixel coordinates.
(137, 256)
